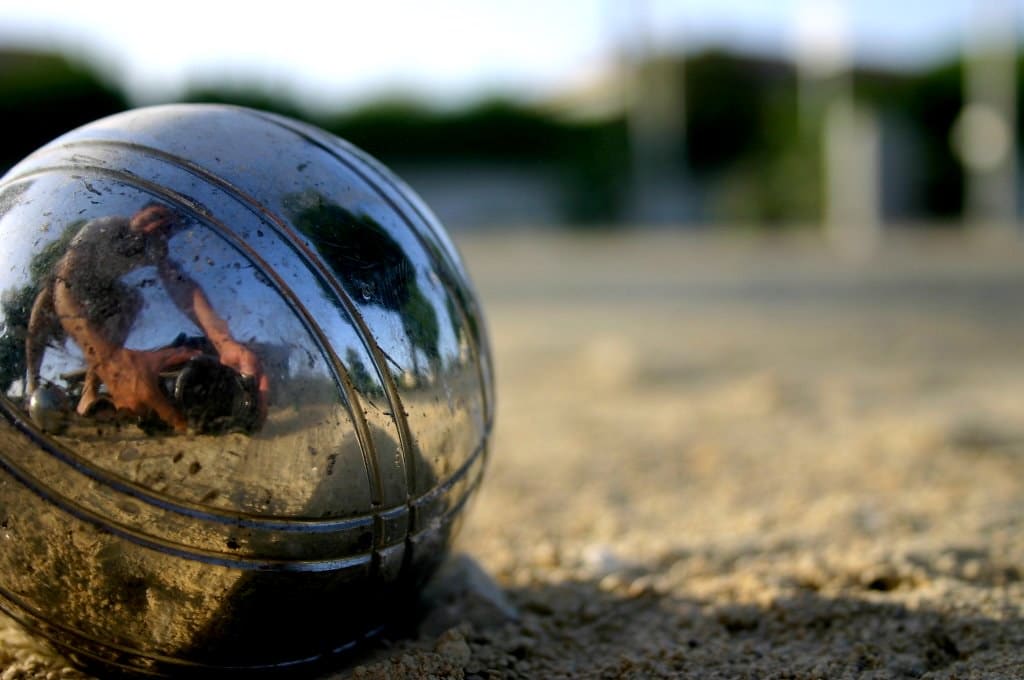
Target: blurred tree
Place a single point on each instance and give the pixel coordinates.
(45, 95)
(745, 153)
(590, 157)
(726, 99)
(931, 102)
(594, 162)
(493, 129)
(251, 96)
(777, 182)
(16, 306)
(372, 265)
(744, 141)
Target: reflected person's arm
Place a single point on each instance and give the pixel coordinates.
(191, 300)
(131, 377)
(40, 330)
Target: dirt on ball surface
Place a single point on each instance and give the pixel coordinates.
(731, 457)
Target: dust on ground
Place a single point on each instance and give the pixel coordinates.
(733, 457)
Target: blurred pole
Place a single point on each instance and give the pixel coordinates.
(655, 113)
(822, 56)
(848, 135)
(851, 150)
(984, 134)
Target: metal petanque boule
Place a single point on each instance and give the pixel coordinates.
(247, 393)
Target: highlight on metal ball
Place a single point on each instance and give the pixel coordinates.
(246, 392)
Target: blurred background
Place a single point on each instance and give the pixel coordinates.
(687, 114)
(813, 460)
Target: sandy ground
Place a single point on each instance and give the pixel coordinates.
(733, 458)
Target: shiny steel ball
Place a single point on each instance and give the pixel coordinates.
(246, 393)
(48, 408)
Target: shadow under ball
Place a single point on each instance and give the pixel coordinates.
(280, 508)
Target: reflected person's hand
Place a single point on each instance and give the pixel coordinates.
(132, 379)
(239, 357)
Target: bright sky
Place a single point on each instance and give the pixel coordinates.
(333, 52)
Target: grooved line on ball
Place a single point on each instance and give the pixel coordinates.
(327, 279)
(161, 545)
(398, 413)
(176, 505)
(42, 489)
(32, 619)
(166, 547)
(161, 500)
(442, 255)
(326, 143)
(342, 378)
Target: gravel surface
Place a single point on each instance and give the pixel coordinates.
(730, 457)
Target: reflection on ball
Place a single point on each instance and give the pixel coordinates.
(246, 387)
(47, 405)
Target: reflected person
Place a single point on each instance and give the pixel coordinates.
(85, 299)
